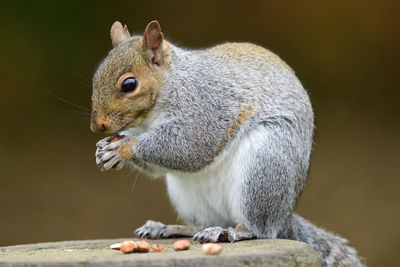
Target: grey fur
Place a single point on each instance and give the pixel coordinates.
(203, 94)
(332, 248)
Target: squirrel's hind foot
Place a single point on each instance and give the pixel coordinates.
(157, 230)
(219, 234)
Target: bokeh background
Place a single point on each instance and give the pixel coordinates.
(346, 53)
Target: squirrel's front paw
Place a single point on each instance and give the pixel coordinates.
(113, 153)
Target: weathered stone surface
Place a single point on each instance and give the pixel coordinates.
(263, 252)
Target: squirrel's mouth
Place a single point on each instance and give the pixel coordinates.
(141, 115)
(133, 123)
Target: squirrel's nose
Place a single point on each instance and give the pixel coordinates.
(99, 125)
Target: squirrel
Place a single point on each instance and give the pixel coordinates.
(229, 127)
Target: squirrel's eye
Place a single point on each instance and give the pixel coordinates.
(129, 85)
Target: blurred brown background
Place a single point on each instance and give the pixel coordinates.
(346, 53)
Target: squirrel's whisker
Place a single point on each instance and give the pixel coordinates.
(83, 80)
(134, 182)
(73, 104)
(78, 112)
(68, 102)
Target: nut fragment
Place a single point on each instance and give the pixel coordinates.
(142, 246)
(157, 248)
(212, 249)
(128, 246)
(115, 246)
(115, 138)
(181, 245)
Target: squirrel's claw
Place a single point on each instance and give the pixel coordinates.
(103, 142)
(218, 234)
(211, 234)
(151, 229)
(107, 156)
(112, 162)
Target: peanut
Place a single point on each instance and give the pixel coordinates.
(128, 246)
(212, 249)
(157, 248)
(181, 245)
(115, 138)
(142, 246)
(115, 246)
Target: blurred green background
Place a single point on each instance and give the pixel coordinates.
(346, 53)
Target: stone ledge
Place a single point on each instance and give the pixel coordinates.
(261, 252)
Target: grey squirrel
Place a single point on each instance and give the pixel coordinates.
(230, 127)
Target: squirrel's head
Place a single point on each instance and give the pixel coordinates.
(126, 83)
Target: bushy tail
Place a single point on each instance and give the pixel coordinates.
(333, 249)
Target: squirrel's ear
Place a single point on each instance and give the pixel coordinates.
(152, 41)
(118, 33)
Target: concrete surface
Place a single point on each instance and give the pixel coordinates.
(263, 252)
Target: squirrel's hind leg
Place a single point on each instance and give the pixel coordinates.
(219, 234)
(158, 230)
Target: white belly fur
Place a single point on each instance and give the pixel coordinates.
(211, 197)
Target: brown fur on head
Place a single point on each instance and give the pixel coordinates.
(143, 58)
